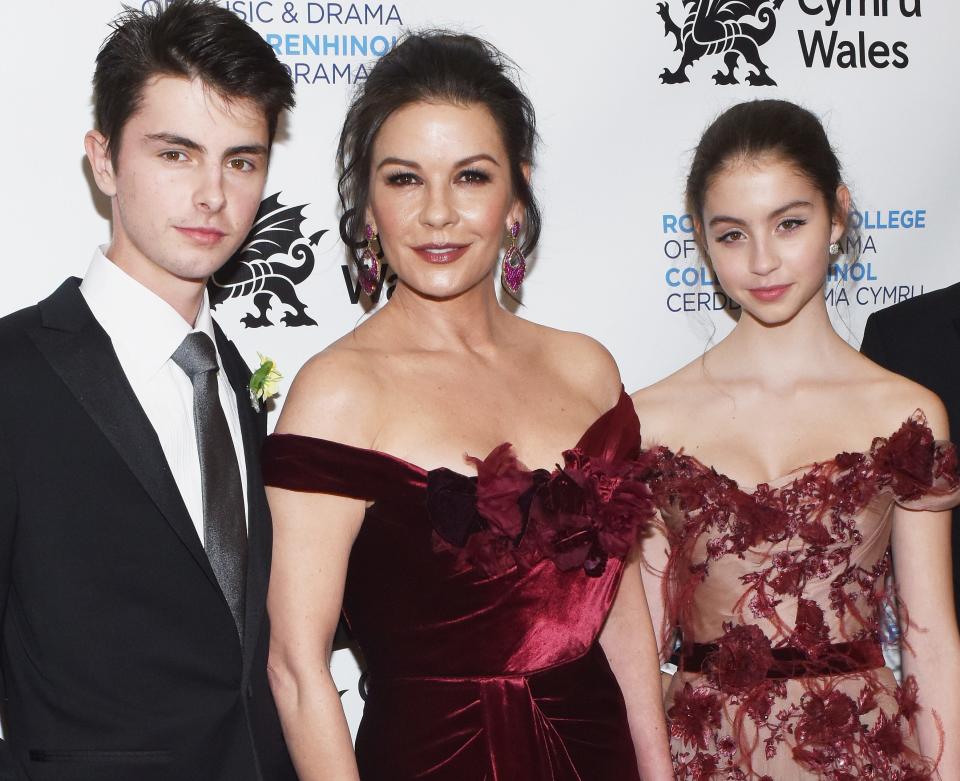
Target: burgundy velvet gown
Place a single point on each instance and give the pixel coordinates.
(477, 604)
(778, 591)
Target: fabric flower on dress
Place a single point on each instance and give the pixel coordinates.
(591, 509)
(907, 458)
(741, 661)
(579, 515)
(695, 715)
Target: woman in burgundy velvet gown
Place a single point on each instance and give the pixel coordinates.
(485, 595)
(781, 514)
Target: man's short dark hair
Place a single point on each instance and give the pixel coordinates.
(191, 39)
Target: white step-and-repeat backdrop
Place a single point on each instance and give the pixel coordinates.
(619, 115)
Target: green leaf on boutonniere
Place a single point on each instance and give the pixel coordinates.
(264, 382)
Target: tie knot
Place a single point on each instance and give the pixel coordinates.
(196, 355)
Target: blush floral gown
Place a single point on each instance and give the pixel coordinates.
(478, 602)
(778, 592)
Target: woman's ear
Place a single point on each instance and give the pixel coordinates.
(517, 209)
(97, 147)
(841, 214)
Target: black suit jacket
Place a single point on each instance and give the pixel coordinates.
(120, 659)
(920, 339)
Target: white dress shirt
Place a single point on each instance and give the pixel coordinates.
(146, 331)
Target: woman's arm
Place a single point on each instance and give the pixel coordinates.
(628, 642)
(652, 566)
(334, 397)
(312, 537)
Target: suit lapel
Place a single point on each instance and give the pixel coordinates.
(81, 353)
(259, 537)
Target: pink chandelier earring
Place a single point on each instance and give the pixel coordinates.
(514, 264)
(368, 267)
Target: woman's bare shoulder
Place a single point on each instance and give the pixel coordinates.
(337, 395)
(581, 362)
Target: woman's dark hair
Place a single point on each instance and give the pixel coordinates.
(759, 127)
(194, 39)
(435, 66)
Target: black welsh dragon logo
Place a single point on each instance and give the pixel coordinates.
(261, 266)
(733, 28)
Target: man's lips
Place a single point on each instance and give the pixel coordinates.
(201, 235)
(441, 253)
(769, 293)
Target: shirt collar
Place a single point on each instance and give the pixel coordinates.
(145, 329)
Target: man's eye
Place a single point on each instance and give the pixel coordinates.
(173, 156)
(239, 164)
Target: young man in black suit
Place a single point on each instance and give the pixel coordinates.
(134, 532)
(920, 339)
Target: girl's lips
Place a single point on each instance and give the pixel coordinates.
(771, 293)
(441, 253)
(205, 236)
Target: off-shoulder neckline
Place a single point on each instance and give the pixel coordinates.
(421, 471)
(799, 472)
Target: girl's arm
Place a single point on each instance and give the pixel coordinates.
(921, 550)
(923, 568)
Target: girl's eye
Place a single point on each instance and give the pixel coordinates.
(402, 178)
(731, 236)
(474, 176)
(173, 156)
(792, 224)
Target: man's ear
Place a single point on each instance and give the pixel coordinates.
(98, 154)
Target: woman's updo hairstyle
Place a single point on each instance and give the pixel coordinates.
(764, 127)
(435, 67)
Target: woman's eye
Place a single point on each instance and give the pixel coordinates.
(402, 178)
(474, 176)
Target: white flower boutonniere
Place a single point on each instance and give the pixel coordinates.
(263, 382)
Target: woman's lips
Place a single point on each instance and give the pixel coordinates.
(206, 236)
(441, 253)
(771, 293)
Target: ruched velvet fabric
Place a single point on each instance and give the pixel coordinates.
(484, 667)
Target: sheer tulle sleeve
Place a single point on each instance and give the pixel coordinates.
(300, 463)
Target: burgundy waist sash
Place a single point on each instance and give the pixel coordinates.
(834, 659)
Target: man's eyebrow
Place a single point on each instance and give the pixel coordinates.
(175, 140)
(246, 149)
